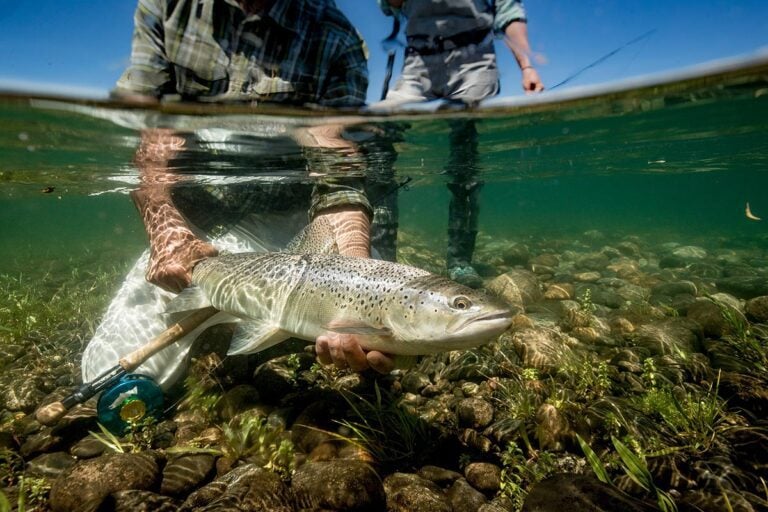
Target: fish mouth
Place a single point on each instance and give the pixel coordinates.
(494, 316)
(494, 319)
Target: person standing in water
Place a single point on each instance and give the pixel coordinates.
(450, 55)
(294, 52)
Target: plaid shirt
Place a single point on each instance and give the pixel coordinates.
(299, 52)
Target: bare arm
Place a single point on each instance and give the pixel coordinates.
(516, 38)
(174, 249)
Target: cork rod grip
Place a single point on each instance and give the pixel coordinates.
(53, 412)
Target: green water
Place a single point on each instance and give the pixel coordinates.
(679, 160)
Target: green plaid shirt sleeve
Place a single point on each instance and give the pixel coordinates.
(149, 72)
(507, 11)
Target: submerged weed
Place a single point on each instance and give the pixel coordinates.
(138, 439)
(519, 474)
(251, 437)
(748, 342)
(385, 429)
(31, 492)
(634, 465)
(694, 418)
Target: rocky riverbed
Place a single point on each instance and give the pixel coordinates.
(633, 377)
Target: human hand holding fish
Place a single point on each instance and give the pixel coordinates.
(345, 351)
(171, 262)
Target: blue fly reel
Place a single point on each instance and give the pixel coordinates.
(134, 399)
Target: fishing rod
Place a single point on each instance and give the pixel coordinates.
(604, 57)
(51, 413)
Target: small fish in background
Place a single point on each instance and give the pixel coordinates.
(47, 190)
(749, 214)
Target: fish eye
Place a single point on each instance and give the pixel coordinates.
(462, 302)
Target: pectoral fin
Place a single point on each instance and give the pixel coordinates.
(190, 299)
(252, 337)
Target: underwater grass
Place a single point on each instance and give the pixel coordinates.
(634, 466)
(383, 428)
(55, 309)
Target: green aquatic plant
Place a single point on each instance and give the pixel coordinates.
(517, 400)
(634, 465)
(748, 342)
(47, 316)
(31, 491)
(5, 504)
(650, 374)
(384, 428)
(110, 440)
(585, 302)
(138, 438)
(250, 437)
(588, 380)
(695, 418)
(519, 473)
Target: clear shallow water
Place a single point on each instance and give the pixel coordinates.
(679, 158)
(599, 184)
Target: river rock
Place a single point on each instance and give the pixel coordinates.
(138, 501)
(579, 493)
(517, 287)
(552, 428)
(274, 380)
(438, 475)
(690, 252)
(668, 336)
(50, 465)
(483, 476)
(474, 413)
(671, 289)
(587, 277)
(22, 394)
(237, 400)
(744, 287)
(313, 425)
(628, 248)
(545, 259)
(407, 492)
(757, 309)
(340, 485)
(464, 498)
(559, 291)
(247, 487)
(710, 316)
(515, 254)
(87, 448)
(185, 473)
(540, 348)
(92, 480)
(414, 381)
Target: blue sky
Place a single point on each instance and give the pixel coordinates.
(81, 46)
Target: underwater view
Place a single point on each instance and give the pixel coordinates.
(622, 229)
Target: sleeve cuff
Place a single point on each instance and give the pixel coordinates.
(330, 195)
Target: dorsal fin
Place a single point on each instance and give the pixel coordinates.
(317, 237)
